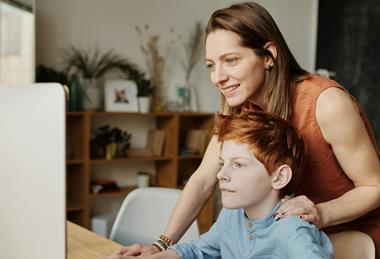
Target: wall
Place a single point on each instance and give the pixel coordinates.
(111, 25)
(347, 44)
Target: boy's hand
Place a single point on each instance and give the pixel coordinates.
(302, 206)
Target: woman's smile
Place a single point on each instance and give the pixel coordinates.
(229, 91)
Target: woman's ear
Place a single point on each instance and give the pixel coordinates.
(269, 62)
(281, 177)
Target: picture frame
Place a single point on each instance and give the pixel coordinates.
(120, 95)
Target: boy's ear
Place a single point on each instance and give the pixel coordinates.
(281, 177)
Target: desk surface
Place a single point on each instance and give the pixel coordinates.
(84, 244)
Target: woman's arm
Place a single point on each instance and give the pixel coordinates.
(344, 129)
(195, 194)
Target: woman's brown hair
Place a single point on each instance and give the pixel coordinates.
(271, 139)
(256, 28)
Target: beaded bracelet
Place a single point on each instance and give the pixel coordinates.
(163, 243)
(166, 240)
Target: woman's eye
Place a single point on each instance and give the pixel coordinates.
(210, 67)
(220, 164)
(231, 61)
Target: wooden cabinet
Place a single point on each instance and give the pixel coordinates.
(172, 169)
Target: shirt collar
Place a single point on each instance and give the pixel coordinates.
(262, 223)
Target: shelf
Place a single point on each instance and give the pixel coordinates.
(129, 159)
(113, 114)
(197, 114)
(155, 114)
(171, 169)
(190, 157)
(75, 113)
(123, 192)
(74, 209)
(74, 162)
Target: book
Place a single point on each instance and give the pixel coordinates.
(154, 146)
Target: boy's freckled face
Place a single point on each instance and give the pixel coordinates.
(243, 180)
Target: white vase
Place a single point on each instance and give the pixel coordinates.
(193, 99)
(92, 100)
(144, 104)
(143, 180)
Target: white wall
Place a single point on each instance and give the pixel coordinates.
(111, 24)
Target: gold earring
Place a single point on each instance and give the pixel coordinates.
(269, 67)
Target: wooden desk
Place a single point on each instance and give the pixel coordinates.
(84, 244)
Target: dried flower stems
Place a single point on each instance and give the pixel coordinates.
(193, 51)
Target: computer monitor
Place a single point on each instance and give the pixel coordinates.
(32, 172)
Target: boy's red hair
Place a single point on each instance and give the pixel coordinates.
(271, 139)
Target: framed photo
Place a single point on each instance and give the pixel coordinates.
(120, 95)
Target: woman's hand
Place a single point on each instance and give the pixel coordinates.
(301, 206)
(143, 252)
(149, 250)
(132, 250)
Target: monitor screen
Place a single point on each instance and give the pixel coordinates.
(32, 172)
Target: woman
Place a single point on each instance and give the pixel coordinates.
(252, 66)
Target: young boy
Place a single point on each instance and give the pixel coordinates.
(260, 159)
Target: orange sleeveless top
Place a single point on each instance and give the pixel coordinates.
(323, 179)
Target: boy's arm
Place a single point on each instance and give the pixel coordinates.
(208, 246)
(309, 242)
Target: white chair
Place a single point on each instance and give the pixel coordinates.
(352, 245)
(144, 214)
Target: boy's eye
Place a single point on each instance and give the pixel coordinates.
(237, 165)
(220, 164)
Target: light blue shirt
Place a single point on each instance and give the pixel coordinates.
(235, 236)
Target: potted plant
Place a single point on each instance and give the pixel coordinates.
(145, 88)
(144, 92)
(91, 66)
(45, 74)
(109, 142)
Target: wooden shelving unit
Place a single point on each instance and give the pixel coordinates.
(172, 170)
(123, 192)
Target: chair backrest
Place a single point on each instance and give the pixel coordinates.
(352, 245)
(144, 214)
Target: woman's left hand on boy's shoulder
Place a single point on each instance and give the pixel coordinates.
(301, 206)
